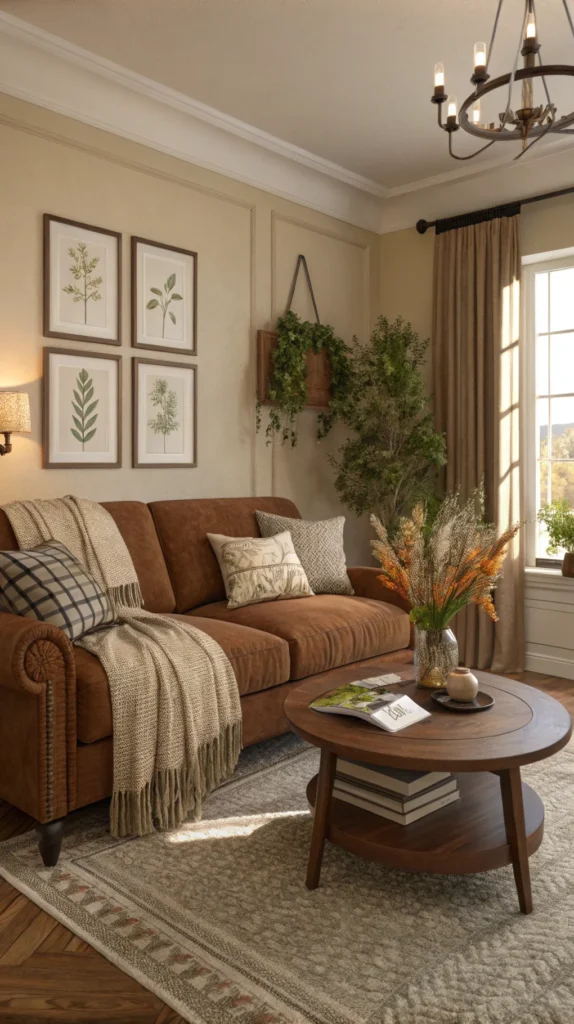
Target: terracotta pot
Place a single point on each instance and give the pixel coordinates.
(568, 564)
(462, 685)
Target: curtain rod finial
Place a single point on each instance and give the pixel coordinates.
(421, 226)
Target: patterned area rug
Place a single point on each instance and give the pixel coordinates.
(215, 918)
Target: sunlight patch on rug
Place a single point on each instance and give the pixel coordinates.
(225, 828)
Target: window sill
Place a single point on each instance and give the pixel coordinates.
(544, 577)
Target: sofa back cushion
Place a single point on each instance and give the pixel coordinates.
(182, 527)
(136, 526)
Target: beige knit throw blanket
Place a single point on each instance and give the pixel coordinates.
(175, 702)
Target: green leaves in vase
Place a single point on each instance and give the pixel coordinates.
(164, 300)
(84, 405)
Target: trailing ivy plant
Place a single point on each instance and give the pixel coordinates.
(287, 387)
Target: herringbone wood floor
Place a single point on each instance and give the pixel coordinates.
(47, 973)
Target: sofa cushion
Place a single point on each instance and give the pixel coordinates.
(325, 631)
(256, 569)
(50, 585)
(182, 528)
(259, 661)
(319, 545)
(134, 521)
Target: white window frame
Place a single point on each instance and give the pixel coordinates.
(531, 265)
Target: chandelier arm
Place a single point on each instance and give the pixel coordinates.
(514, 69)
(493, 33)
(471, 155)
(568, 15)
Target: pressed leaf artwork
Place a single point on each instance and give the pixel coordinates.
(163, 300)
(86, 287)
(165, 400)
(84, 413)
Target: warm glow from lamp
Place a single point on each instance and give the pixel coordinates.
(476, 112)
(14, 412)
(531, 26)
(480, 55)
(452, 107)
(438, 75)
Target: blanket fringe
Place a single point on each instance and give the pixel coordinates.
(172, 794)
(128, 595)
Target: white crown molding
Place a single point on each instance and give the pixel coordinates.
(50, 72)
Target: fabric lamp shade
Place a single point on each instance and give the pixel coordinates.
(14, 412)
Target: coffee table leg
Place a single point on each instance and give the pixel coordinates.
(511, 788)
(322, 804)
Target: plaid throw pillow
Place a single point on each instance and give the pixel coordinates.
(50, 585)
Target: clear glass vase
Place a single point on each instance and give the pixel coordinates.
(436, 654)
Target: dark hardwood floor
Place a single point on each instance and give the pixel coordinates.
(48, 974)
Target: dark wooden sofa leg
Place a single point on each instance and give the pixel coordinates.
(50, 835)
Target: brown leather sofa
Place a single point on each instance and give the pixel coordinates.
(55, 709)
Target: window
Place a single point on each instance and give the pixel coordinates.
(549, 392)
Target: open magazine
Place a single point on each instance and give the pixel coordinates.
(370, 700)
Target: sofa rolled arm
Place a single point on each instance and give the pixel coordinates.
(37, 718)
(366, 582)
(30, 651)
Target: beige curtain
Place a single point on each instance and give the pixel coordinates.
(476, 396)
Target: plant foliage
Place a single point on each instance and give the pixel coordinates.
(391, 459)
(558, 519)
(84, 406)
(288, 377)
(164, 399)
(81, 269)
(164, 300)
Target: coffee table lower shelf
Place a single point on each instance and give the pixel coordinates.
(467, 836)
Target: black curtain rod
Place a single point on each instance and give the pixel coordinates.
(479, 215)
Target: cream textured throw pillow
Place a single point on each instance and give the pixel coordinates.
(259, 569)
(319, 546)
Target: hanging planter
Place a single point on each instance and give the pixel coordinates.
(300, 364)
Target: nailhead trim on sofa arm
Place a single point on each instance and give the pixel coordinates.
(37, 717)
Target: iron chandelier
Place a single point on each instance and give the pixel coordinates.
(531, 121)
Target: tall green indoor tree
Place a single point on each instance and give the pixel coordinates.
(392, 456)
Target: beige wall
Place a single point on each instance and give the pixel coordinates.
(247, 243)
(406, 268)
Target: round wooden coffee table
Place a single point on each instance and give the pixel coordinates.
(498, 820)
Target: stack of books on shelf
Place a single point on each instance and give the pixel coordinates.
(399, 794)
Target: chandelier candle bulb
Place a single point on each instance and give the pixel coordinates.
(479, 56)
(452, 109)
(439, 80)
(531, 26)
(476, 113)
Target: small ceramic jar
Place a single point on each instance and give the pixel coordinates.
(462, 685)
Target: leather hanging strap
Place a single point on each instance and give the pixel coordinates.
(301, 261)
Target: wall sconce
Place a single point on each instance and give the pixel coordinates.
(14, 416)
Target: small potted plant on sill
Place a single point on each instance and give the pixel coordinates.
(558, 518)
(440, 567)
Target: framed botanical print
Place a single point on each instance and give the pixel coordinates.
(164, 413)
(164, 297)
(82, 282)
(82, 410)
